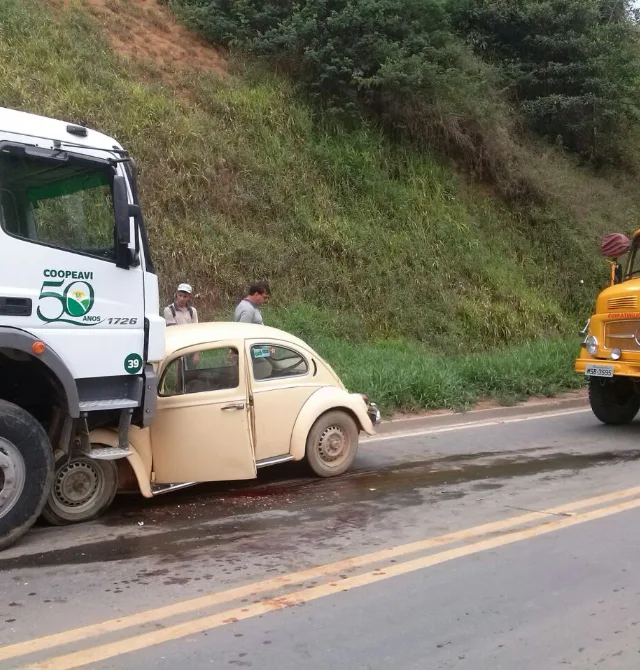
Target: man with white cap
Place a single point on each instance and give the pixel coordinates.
(180, 312)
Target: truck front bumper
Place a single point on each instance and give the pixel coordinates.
(621, 368)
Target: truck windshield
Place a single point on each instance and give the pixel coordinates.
(63, 203)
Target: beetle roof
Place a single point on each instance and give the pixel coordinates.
(180, 337)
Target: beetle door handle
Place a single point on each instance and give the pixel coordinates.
(236, 405)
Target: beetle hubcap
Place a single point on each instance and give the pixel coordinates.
(333, 445)
(12, 476)
(77, 484)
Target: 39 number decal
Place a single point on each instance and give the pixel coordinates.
(133, 364)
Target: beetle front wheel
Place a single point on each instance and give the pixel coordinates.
(82, 489)
(332, 444)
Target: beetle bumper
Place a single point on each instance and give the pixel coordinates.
(374, 413)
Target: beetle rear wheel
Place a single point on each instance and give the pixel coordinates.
(82, 489)
(332, 444)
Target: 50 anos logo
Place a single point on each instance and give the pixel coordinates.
(72, 302)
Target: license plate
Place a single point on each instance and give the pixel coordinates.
(599, 371)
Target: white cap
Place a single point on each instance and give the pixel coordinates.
(186, 288)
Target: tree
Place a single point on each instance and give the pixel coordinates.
(397, 62)
(571, 66)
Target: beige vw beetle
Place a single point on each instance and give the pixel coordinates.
(232, 398)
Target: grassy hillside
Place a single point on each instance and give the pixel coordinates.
(390, 262)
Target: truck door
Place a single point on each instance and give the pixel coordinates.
(59, 272)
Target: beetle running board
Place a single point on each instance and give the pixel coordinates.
(274, 460)
(159, 489)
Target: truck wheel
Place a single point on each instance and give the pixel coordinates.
(82, 489)
(613, 401)
(26, 472)
(332, 444)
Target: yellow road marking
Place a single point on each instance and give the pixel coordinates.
(135, 643)
(202, 602)
(186, 606)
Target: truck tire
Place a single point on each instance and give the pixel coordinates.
(26, 472)
(613, 401)
(332, 444)
(82, 489)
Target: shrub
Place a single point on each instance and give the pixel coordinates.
(571, 66)
(397, 62)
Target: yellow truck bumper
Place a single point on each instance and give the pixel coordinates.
(620, 368)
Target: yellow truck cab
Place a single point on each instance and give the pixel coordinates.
(610, 352)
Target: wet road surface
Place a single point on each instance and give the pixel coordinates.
(523, 594)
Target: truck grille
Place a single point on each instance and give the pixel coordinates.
(622, 334)
(620, 304)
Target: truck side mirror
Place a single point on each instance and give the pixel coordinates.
(121, 210)
(617, 274)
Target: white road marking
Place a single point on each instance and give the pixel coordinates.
(471, 424)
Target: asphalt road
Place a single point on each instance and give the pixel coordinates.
(494, 545)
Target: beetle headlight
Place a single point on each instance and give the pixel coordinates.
(591, 344)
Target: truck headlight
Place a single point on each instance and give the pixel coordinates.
(591, 344)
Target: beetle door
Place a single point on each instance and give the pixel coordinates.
(201, 431)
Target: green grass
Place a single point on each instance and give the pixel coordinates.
(408, 377)
(394, 265)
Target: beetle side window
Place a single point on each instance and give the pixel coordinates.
(201, 372)
(273, 362)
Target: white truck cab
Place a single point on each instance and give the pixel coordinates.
(79, 318)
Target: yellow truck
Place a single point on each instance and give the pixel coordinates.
(610, 351)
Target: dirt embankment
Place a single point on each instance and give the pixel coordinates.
(148, 33)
